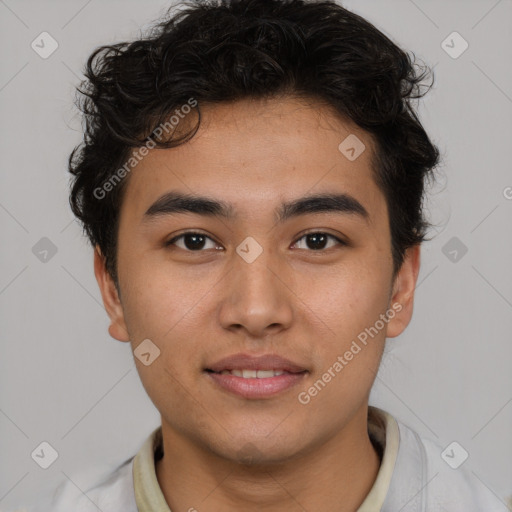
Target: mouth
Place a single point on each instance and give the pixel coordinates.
(252, 374)
(255, 377)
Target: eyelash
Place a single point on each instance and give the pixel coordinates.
(173, 240)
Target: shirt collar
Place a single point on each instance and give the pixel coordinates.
(383, 431)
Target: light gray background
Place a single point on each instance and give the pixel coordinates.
(65, 381)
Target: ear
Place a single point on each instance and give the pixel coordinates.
(402, 299)
(111, 301)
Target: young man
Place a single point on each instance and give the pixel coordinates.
(251, 179)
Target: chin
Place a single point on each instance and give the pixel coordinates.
(254, 452)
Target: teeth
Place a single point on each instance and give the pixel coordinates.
(262, 374)
(253, 374)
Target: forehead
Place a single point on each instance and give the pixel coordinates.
(253, 152)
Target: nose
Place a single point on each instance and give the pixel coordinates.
(257, 297)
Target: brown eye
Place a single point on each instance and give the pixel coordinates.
(192, 241)
(318, 241)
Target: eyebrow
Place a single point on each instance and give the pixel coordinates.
(176, 202)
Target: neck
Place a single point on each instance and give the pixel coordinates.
(336, 475)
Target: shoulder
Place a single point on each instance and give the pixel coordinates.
(113, 494)
(438, 479)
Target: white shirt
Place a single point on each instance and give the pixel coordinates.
(412, 477)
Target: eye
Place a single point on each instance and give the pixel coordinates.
(195, 242)
(192, 241)
(318, 241)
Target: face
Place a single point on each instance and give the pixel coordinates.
(300, 284)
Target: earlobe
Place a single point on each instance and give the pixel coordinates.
(111, 301)
(402, 300)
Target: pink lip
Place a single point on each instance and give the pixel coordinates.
(247, 362)
(256, 388)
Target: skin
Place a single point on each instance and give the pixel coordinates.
(304, 304)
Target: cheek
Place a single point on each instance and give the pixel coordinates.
(348, 301)
(165, 312)
(158, 297)
(350, 353)
(174, 316)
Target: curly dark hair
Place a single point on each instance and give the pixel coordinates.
(226, 50)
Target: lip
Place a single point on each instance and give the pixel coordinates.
(263, 362)
(256, 388)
